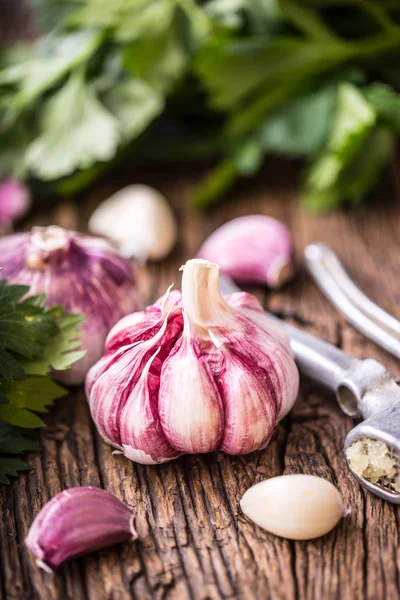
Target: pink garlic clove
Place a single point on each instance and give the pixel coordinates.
(78, 521)
(116, 385)
(250, 406)
(189, 403)
(15, 201)
(142, 437)
(252, 249)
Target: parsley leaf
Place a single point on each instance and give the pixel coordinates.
(33, 340)
(77, 131)
(14, 441)
(386, 103)
(356, 153)
(11, 466)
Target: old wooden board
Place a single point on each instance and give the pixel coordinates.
(194, 541)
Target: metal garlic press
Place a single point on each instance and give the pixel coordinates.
(363, 388)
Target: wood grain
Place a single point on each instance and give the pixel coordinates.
(194, 541)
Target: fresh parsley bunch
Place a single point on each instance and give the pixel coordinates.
(230, 79)
(33, 341)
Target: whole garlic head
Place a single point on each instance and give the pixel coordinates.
(194, 373)
(139, 220)
(82, 273)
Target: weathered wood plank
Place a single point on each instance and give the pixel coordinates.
(194, 541)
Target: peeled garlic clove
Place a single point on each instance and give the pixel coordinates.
(297, 507)
(82, 273)
(252, 249)
(139, 220)
(78, 521)
(15, 201)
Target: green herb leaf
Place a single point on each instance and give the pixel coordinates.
(11, 467)
(332, 183)
(9, 366)
(33, 340)
(300, 127)
(77, 131)
(386, 103)
(14, 441)
(60, 350)
(135, 104)
(49, 60)
(26, 395)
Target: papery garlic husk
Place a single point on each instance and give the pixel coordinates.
(15, 201)
(78, 521)
(193, 373)
(139, 220)
(252, 249)
(297, 507)
(82, 273)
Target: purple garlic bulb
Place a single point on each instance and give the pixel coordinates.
(194, 373)
(84, 274)
(252, 249)
(15, 201)
(78, 521)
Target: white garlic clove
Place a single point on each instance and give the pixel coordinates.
(139, 220)
(297, 507)
(252, 249)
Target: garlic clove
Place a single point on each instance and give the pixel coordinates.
(250, 306)
(250, 406)
(142, 437)
(122, 387)
(78, 521)
(139, 220)
(296, 507)
(189, 404)
(252, 249)
(15, 201)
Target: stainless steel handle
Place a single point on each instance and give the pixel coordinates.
(330, 276)
(318, 359)
(315, 358)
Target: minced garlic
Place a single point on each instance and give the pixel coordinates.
(373, 460)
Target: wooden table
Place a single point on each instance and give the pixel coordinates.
(194, 541)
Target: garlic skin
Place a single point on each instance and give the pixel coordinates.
(296, 507)
(194, 373)
(15, 201)
(252, 249)
(82, 273)
(139, 220)
(78, 521)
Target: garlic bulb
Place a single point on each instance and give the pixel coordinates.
(82, 273)
(15, 201)
(297, 507)
(76, 522)
(252, 249)
(139, 220)
(194, 373)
